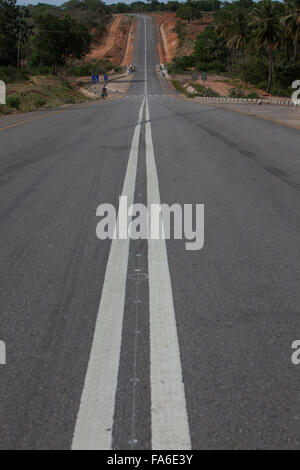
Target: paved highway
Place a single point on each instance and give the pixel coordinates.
(143, 344)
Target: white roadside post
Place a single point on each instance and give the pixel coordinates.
(2, 353)
(2, 92)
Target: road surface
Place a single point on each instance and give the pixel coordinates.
(143, 344)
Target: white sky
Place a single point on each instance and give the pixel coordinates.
(60, 2)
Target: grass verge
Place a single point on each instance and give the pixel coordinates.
(178, 87)
(40, 92)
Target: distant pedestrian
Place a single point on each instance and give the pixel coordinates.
(104, 92)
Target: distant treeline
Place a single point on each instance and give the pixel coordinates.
(172, 6)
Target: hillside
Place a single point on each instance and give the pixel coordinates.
(176, 36)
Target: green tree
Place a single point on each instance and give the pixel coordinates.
(60, 39)
(236, 32)
(239, 31)
(173, 5)
(266, 27)
(121, 8)
(137, 6)
(209, 47)
(224, 30)
(292, 25)
(189, 11)
(13, 29)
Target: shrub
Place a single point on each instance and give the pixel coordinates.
(177, 86)
(256, 70)
(253, 96)
(278, 90)
(202, 90)
(235, 93)
(13, 102)
(180, 64)
(215, 66)
(40, 102)
(69, 100)
(181, 32)
(285, 74)
(39, 69)
(11, 74)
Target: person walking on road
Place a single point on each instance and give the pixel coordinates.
(104, 92)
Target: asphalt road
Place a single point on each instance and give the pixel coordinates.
(188, 348)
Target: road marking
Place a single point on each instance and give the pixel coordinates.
(146, 78)
(30, 120)
(94, 426)
(93, 430)
(170, 428)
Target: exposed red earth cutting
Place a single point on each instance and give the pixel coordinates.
(127, 57)
(115, 43)
(168, 44)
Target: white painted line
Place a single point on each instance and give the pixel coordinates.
(146, 78)
(93, 430)
(170, 428)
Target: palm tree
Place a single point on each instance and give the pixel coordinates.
(223, 30)
(238, 31)
(238, 35)
(234, 29)
(292, 25)
(266, 26)
(214, 46)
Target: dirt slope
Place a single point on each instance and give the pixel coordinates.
(115, 43)
(168, 42)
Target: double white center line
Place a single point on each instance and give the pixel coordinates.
(95, 419)
(94, 425)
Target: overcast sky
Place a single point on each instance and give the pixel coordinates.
(60, 2)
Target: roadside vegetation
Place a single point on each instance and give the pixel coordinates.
(181, 32)
(40, 92)
(252, 44)
(42, 47)
(178, 86)
(201, 90)
(255, 43)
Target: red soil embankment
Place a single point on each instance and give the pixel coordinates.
(167, 37)
(115, 43)
(127, 58)
(168, 43)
